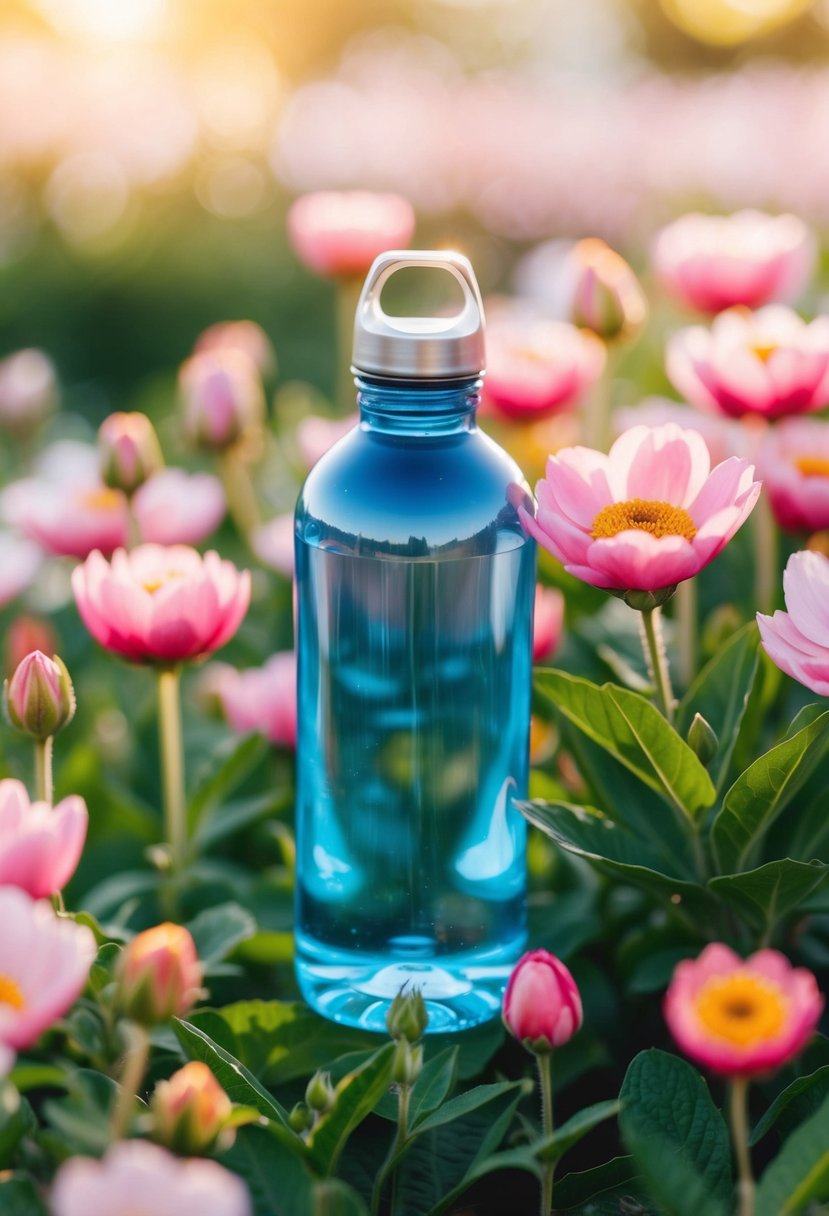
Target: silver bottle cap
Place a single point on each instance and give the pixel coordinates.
(434, 348)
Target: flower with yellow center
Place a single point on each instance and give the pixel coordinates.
(658, 518)
(10, 993)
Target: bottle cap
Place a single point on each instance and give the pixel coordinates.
(434, 348)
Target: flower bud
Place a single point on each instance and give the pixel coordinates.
(223, 398)
(407, 1016)
(607, 297)
(542, 1005)
(28, 391)
(406, 1063)
(129, 451)
(189, 1110)
(26, 634)
(300, 1118)
(319, 1093)
(158, 975)
(40, 698)
(702, 738)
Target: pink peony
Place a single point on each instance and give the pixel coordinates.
(161, 604)
(769, 363)
(44, 963)
(713, 262)
(548, 622)
(315, 435)
(40, 845)
(244, 336)
(263, 698)
(742, 1018)
(178, 508)
(542, 1004)
(273, 544)
(136, 1178)
(645, 516)
(20, 560)
(793, 461)
(339, 234)
(797, 640)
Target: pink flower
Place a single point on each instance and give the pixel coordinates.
(548, 622)
(40, 845)
(723, 436)
(28, 390)
(39, 697)
(339, 234)
(263, 698)
(129, 450)
(273, 544)
(712, 262)
(161, 604)
(223, 398)
(136, 1178)
(190, 1110)
(536, 366)
(244, 336)
(44, 963)
(607, 296)
(742, 1018)
(158, 975)
(769, 363)
(315, 435)
(645, 516)
(20, 560)
(793, 461)
(542, 1004)
(798, 640)
(178, 508)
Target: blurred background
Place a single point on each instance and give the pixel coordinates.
(149, 150)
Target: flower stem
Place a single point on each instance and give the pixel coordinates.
(658, 661)
(738, 1117)
(766, 556)
(44, 788)
(401, 1136)
(172, 764)
(545, 1076)
(234, 470)
(135, 1065)
(687, 614)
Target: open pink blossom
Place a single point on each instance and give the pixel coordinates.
(178, 508)
(338, 234)
(793, 461)
(273, 543)
(713, 262)
(542, 1004)
(742, 1018)
(769, 363)
(645, 516)
(244, 336)
(44, 963)
(136, 1178)
(797, 640)
(548, 622)
(723, 436)
(161, 604)
(40, 845)
(315, 435)
(20, 560)
(263, 698)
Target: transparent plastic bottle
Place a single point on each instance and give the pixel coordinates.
(415, 588)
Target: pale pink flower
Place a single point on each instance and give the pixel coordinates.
(263, 698)
(742, 1018)
(28, 390)
(548, 622)
(723, 436)
(793, 461)
(338, 234)
(244, 336)
(223, 399)
(158, 975)
(797, 640)
(315, 435)
(769, 363)
(40, 845)
(273, 544)
(20, 561)
(713, 262)
(178, 508)
(44, 964)
(136, 1178)
(542, 1004)
(645, 516)
(161, 604)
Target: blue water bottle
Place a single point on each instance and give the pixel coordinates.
(415, 588)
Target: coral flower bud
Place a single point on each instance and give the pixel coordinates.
(40, 698)
(190, 1110)
(542, 1005)
(159, 975)
(607, 297)
(129, 451)
(407, 1017)
(223, 398)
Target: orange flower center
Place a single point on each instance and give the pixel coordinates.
(155, 584)
(658, 518)
(742, 1009)
(812, 466)
(764, 350)
(10, 993)
(102, 500)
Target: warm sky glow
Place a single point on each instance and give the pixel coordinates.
(105, 20)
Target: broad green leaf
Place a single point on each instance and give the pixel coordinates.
(761, 792)
(721, 692)
(635, 732)
(356, 1096)
(106, 899)
(218, 930)
(577, 1188)
(82, 1116)
(799, 1173)
(16, 1121)
(797, 1102)
(671, 1179)
(239, 1084)
(19, 1196)
(769, 893)
(467, 1102)
(225, 769)
(279, 1182)
(229, 817)
(331, 1197)
(553, 1147)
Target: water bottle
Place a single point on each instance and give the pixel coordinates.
(415, 587)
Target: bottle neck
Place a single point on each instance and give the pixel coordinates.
(412, 407)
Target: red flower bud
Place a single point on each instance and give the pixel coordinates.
(159, 975)
(542, 1005)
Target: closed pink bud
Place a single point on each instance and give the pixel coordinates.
(542, 1005)
(159, 975)
(223, 398)
(40, 698)
(607, 297)
(190, 1110)
(129, 451)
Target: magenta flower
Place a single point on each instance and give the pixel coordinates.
(161, 604)
(40, 845)
(136, 1178)
(339, 234)
(178, 508)
(645, 516)
(742, 1018)
(44, 963)
(793, 461)
(548, 622)
(263, 698)
(797, 640)
(542, 1004)
(222, 395)
(713, 262)
(769, 363)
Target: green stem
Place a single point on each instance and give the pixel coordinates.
(44, 788)
(658, 661)
(738, 1117)
(401, 1136)
(545, 1076)
(135, 1065)
(598, 411)
(348, 294)
(172, 764)
(687, 612)
(766, 556)
(242, 502)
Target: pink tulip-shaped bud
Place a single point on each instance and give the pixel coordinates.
(40, 699)
(223, 398)
(607, 296)
(28, 391)
(26, 634)
(338, 234)
(542, 1005)
(190, 1110)
(129, 451)
(159, 975)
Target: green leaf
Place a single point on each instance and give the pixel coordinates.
(436, 1080)
(670, 1177)
(17, 1120)
(665, 1098)
(218, 930)
(106, 899)
(82, 1117)
(229, 817)
(356, 1095)
(227, 767)
(239, 1084)
(553, 1147)
(796, 1102)
(19, 1197)
(800, 1172)
(761, 792)
(721, 692)
(278, 1180)
(577, 1188)
(636, 734)
(769, 893)
(334, 1198)
(467, 1102)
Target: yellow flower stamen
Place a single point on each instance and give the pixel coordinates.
(102, 500)
(742, 1009)
(155, 584)
(764, 350)
(812, 466)
(658, 518)
(10, 993)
